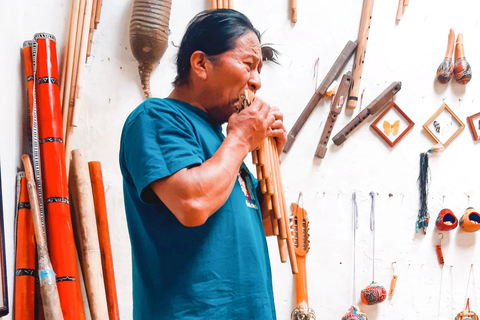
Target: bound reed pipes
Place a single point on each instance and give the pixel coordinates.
(267, 162)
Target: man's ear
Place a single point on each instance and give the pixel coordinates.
(198, 63)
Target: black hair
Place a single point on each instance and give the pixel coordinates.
(212, 32)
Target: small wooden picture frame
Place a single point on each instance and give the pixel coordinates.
(474, 125)
(443, 122)
(394, 124)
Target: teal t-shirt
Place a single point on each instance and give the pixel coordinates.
(219, 270)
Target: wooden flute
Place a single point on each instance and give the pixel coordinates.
(375, 106)
(361, 51)
(334, 72)
(336, 108)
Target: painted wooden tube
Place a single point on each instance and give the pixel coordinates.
(28, 67)
(462, 70)
(445, 69)
(95, 169)
(25, 261)
(149, 36)
(81, 190)
(58, 219)
(48, 286)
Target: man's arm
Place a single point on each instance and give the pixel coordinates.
(194, 194)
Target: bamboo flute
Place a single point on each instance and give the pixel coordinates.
(213, 4)
(361, 51)
(95, 170)
(81, 190)
(48, 285)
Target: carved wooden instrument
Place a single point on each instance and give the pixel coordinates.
(268, 174)
(361, 51)
(375, 106)
(445, 69)
(335, 70)
(335, 109)
(46, 275)
(149, 36)
(299, 228)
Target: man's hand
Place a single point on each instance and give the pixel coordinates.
(252, 125)
(278, 131)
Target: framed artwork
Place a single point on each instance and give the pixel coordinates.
(474, 125)
(392, 124)
(444, 126)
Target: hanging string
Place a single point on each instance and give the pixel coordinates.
(355, 227)
(300, 198)
(372, 228)
(451, 292)
(471, 274)
(440, 294)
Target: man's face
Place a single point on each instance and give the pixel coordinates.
(234, 71)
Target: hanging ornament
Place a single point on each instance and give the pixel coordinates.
(373, 293)
(441, 261)
(423, 178)
(354, 312)
(394, 281)
(467, 314)
(446, 220)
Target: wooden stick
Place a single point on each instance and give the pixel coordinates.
(361, 51)
(82, 56)
(48, 284)
(230, 4)
(213, 4)
(104, 238)
(81, 189)
(220, 4)
(281, 248)
(399, 11)
(293, 6)
(67, 76)
(98, 10)
(92, 27)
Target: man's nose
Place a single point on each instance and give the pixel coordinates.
(254, 83)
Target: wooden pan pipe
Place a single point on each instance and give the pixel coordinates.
(265, 157)
(221, 4)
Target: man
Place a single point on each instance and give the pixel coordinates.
(198, 246)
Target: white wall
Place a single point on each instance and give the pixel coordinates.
(409, 52)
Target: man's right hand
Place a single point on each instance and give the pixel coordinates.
(251, 125)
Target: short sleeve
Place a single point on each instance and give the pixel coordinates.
(156, 143)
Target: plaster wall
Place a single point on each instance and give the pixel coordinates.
(409, 52)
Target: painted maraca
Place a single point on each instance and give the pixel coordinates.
(445, 69)
(461, 70)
